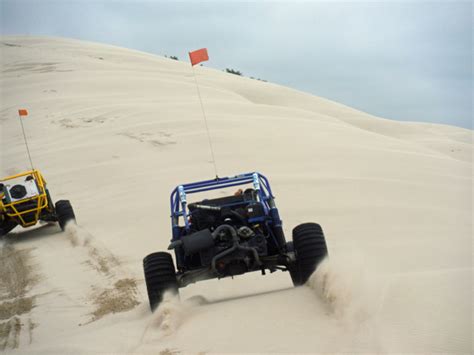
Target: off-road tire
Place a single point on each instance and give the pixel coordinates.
(160, 276)
(310, 249)
(6, 226)
(65, 213)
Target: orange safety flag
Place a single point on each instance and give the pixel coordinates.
(198, 56)
(23, 112)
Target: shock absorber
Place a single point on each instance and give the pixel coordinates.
(277, 224)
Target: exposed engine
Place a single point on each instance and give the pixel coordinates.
(230, 240)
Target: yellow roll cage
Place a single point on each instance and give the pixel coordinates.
(10, 208)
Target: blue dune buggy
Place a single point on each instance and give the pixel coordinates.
(229, 236)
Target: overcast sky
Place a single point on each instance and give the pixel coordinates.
(396, 59)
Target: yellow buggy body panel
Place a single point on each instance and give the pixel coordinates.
(25, 211)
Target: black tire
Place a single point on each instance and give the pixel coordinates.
(6, 226)
(310, 249)
(65, 213)
(160, 276)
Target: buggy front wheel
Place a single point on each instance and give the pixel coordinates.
(6, 225)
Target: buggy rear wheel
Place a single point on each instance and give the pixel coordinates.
(160, 276)
(65, 213)
(310, 249)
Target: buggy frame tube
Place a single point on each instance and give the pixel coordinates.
(42, 200)
(178, 207)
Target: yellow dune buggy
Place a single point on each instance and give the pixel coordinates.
(25, 200)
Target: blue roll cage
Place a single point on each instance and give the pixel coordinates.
(178, 198)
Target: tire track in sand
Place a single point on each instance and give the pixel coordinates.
(116, 293)
(16, 279)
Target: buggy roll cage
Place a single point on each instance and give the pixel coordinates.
(10, 208)
(178, 198)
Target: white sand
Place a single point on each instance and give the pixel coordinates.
(115, 130)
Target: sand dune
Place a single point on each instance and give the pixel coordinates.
(115, 130)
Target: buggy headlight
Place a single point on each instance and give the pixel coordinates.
(17, 191)
(22, 191)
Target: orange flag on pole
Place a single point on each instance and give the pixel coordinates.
(198, 56)
(23, 112)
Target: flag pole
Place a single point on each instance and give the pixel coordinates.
(22, 113)
(205, 122)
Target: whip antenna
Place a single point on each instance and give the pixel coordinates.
(21, 113)
(197, 57)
